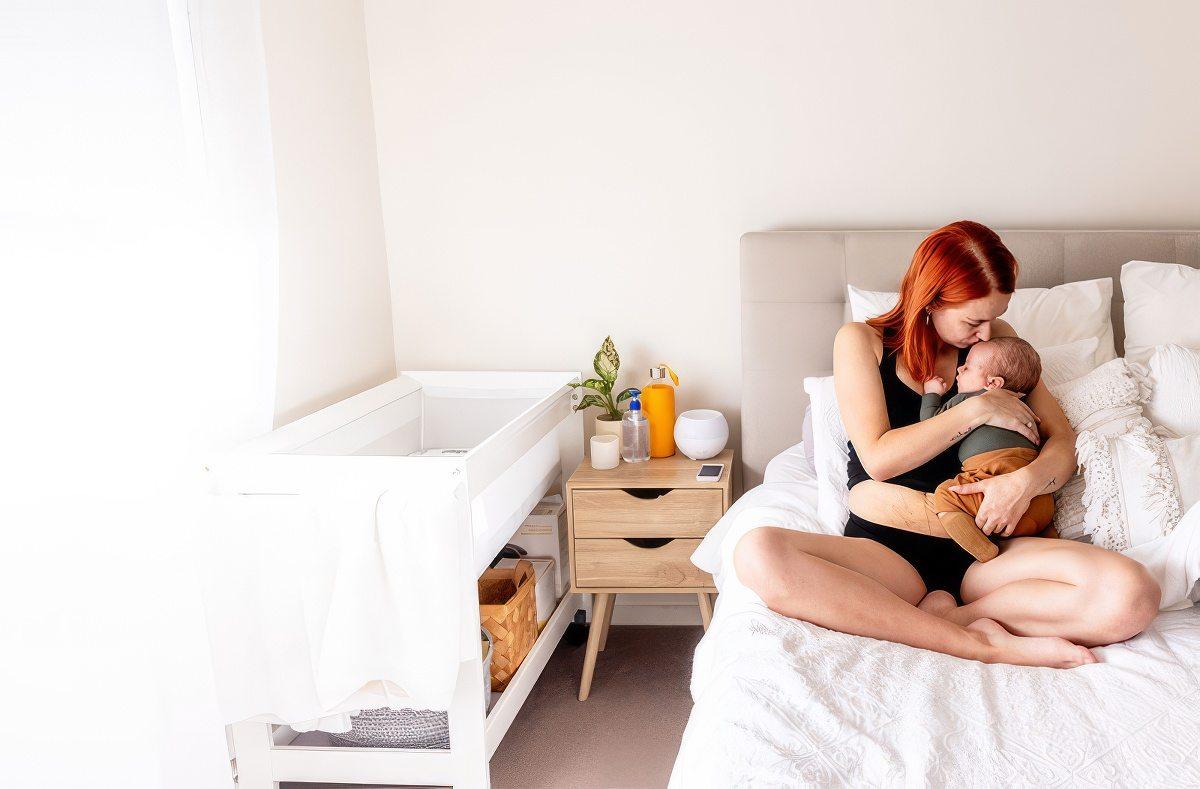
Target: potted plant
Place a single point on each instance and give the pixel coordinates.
(606, 364)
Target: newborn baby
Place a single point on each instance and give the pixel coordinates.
(1002, 363)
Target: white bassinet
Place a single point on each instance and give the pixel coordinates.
(344, 553)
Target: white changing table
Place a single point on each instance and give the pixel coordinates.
(514, 436)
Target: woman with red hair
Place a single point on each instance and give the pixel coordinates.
(896, 575)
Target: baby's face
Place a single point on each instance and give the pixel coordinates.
(973, 372)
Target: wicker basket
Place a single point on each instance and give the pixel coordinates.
(508, 611)
(384, 727)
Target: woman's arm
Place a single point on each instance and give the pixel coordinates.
(884, 452)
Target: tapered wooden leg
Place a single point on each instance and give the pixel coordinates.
(706, 611)
(600, 603)
(608, 612)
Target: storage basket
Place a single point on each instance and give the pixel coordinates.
(508, 611)
(384, 727)
(388, 728)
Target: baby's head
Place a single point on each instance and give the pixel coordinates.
(1000, 363)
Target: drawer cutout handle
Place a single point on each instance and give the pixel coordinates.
(648, 542)
(647, 493)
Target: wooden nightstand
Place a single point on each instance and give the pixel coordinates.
(632, 530)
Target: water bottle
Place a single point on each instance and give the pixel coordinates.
(635, 432)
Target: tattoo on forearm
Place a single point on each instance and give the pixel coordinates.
(1050, 484)
(962, 433)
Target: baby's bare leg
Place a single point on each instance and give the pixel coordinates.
(895, 506)
(957, 512)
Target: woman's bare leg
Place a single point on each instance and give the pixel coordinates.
(860, 587)
(1038, 587)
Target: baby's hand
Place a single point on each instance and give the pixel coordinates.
(935, 385)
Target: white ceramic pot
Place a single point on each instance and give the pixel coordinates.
(702, 433)
(605, 427)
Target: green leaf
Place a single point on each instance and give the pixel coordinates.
(591, 400)
(596, 384)
(603, 369)
(625, 395)
(610, 353)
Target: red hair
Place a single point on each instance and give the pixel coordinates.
(955, 264)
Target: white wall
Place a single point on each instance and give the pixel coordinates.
(335, 330)
(554, 172)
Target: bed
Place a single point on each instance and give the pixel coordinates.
(779, 702)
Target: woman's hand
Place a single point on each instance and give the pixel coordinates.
(1005, 500)
(1002, 408)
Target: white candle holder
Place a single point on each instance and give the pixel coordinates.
(606, 452)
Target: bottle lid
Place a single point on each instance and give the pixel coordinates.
(634, 403)
(661, 372)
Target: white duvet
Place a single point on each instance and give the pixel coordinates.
(779, 702)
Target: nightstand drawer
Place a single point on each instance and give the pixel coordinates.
(617, 563)
(681, 512)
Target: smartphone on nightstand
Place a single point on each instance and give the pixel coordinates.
(710, 472)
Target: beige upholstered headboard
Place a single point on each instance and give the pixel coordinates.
(794, 301)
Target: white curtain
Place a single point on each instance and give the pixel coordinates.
(137, 310)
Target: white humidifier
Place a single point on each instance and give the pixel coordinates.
(702, 433)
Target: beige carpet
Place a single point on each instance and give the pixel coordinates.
(625, 736)
(628, 731)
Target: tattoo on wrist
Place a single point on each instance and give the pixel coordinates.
(1050, 485)
(962, 433)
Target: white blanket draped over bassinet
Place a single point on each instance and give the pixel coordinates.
(334, 601)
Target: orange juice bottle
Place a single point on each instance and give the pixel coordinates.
(658, 403)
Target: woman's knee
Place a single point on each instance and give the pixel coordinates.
(762, 558)
(1124, 600)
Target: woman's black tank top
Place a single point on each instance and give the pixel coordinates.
(904, 408)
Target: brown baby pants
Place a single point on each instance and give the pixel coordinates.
(992, 464)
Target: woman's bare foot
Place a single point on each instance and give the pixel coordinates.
(939, 602)
(1030, 651)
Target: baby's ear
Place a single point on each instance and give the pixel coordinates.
(994, 382)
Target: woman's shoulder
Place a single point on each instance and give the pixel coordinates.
(858, 338)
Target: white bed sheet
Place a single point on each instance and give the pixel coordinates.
(779, 702)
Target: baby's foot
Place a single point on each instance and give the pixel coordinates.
(939, 602)
(962, 529)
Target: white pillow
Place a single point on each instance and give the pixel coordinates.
(1138, 484)
(1063, 363)
(1174, 403)
(830, 454)
(1043, 317)
(1070, 515)
(866, 304)
(790, 465)
(1107, 401)
(1161, 305)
